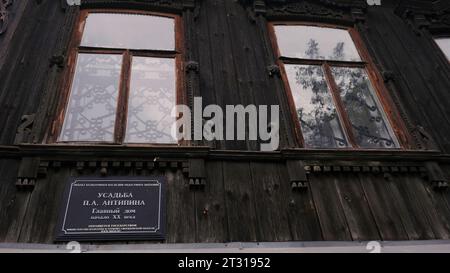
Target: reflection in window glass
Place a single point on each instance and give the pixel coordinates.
(91, 110)
(152, 98)
(315, 108)
(369, 124)
(444, 44)
(132, 31)
(308, 42)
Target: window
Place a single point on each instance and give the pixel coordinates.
(123, 80)
(329, 81)
(444, 44)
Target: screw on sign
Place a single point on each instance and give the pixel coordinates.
(74, 247)
(373, 247)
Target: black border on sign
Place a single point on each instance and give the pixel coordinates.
(160, 235)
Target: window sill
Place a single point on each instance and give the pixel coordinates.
(65, 152)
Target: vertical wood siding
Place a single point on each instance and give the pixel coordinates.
(243, 200)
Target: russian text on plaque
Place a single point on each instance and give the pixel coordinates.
(116, 208)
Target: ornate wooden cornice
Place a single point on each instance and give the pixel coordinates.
(4, 14)
(425, 15)
(165, 5)
(328, 3)
(344, 11)
(35, 160)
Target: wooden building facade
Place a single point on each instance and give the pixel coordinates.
(230, 191)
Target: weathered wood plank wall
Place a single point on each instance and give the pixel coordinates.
(243, 200)
(27, 63)
(233, 65)
(251, 201)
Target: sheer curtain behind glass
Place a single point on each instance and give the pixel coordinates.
(91, 110)
(109, 41)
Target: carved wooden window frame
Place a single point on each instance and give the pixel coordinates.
(124, 89)
(392, 115)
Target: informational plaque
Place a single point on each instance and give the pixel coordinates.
(114, 208)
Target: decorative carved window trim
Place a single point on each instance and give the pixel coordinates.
(166, 6)
(429, 19)
(74, 49)
(4, 15)
(326, 11)
(349, 13)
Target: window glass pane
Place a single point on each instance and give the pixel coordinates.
(315, 107)
(152, 98)
(131, 31)
(444, 44)
(369, 123)
(91, 110)
(308, 42)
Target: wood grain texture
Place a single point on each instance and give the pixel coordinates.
(247, 196)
